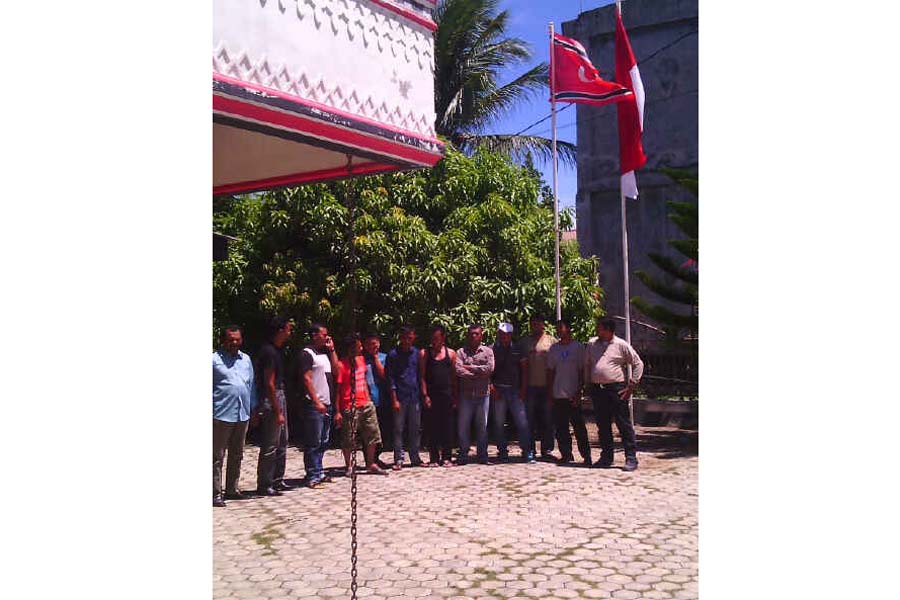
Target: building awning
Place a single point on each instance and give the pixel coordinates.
(299, 93)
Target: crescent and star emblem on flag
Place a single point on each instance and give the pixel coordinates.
(582, 77)
(576, 79)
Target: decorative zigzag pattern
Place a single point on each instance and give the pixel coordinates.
(361, 24)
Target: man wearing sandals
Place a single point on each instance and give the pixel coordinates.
(351, 381)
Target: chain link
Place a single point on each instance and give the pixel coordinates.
(351, 206)
(353, 425)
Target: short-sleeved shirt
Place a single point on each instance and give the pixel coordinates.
(567, 360)
(507, 364)
(375, 383)
(343, 381)
(402, 370)
(319, 363)
(268, 357)
(536, 352)
(234, 389)
(607, 362)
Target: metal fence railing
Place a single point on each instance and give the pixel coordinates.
(669, 375)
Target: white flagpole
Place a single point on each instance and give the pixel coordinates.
(625, 265)
(555, 195)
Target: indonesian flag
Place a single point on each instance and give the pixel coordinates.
(631, 113)
(574, 78)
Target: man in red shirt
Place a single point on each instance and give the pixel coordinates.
(366, 416)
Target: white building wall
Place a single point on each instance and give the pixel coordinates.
(351, 55)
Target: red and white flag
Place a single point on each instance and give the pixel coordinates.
(574, 78)
(631, 113)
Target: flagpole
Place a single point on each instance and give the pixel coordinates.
(555, 195)
(625, 266)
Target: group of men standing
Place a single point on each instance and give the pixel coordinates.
(539, 380)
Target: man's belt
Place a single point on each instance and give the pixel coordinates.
(603, 386)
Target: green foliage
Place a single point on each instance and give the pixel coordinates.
(680, 279)
(471, 240)
(471, 50)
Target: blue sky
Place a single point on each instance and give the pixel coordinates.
(528, 20)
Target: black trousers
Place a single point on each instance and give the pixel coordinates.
(272, 449)
(609, 407)
(563, 414)
(439, 426)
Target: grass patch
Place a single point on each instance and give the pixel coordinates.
(267, 537)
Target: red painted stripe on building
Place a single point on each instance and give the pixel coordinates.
(322, 107)
(323, 131)
(408, 14)
(299, 178)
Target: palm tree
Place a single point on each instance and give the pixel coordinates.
(470, 51)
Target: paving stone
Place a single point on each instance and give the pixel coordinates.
(626, 595)
(501, 531)
(656, 595)
(596, 593)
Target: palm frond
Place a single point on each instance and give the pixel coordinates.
(498, 103)
(518, 147)
(471, 52)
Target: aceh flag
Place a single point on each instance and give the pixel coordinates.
(575, 79)
(631, 113)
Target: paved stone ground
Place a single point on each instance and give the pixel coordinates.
(505, 531)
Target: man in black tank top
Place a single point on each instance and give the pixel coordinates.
(437, 381)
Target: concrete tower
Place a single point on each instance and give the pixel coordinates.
(663, 36)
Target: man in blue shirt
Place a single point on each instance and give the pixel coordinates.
(234, 400)
(376, 379)
(403, 378)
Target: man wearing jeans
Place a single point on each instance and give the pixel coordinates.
(403, 378)
(234, 397)
(270, 391)
(508, 393)
(537, 401)
(318, 364)
(607, 358)
(474, 366)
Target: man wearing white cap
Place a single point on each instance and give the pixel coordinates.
(508, 385)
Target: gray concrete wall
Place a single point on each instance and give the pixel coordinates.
(670, 82)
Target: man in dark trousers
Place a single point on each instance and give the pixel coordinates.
(272, 409)
(402, 371)
(565, 368)
(607, 358)
(537, 400)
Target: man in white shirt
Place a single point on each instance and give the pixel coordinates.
(565, 370)
(318, 365)
(607, 358)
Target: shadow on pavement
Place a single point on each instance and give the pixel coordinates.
(667, 443)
